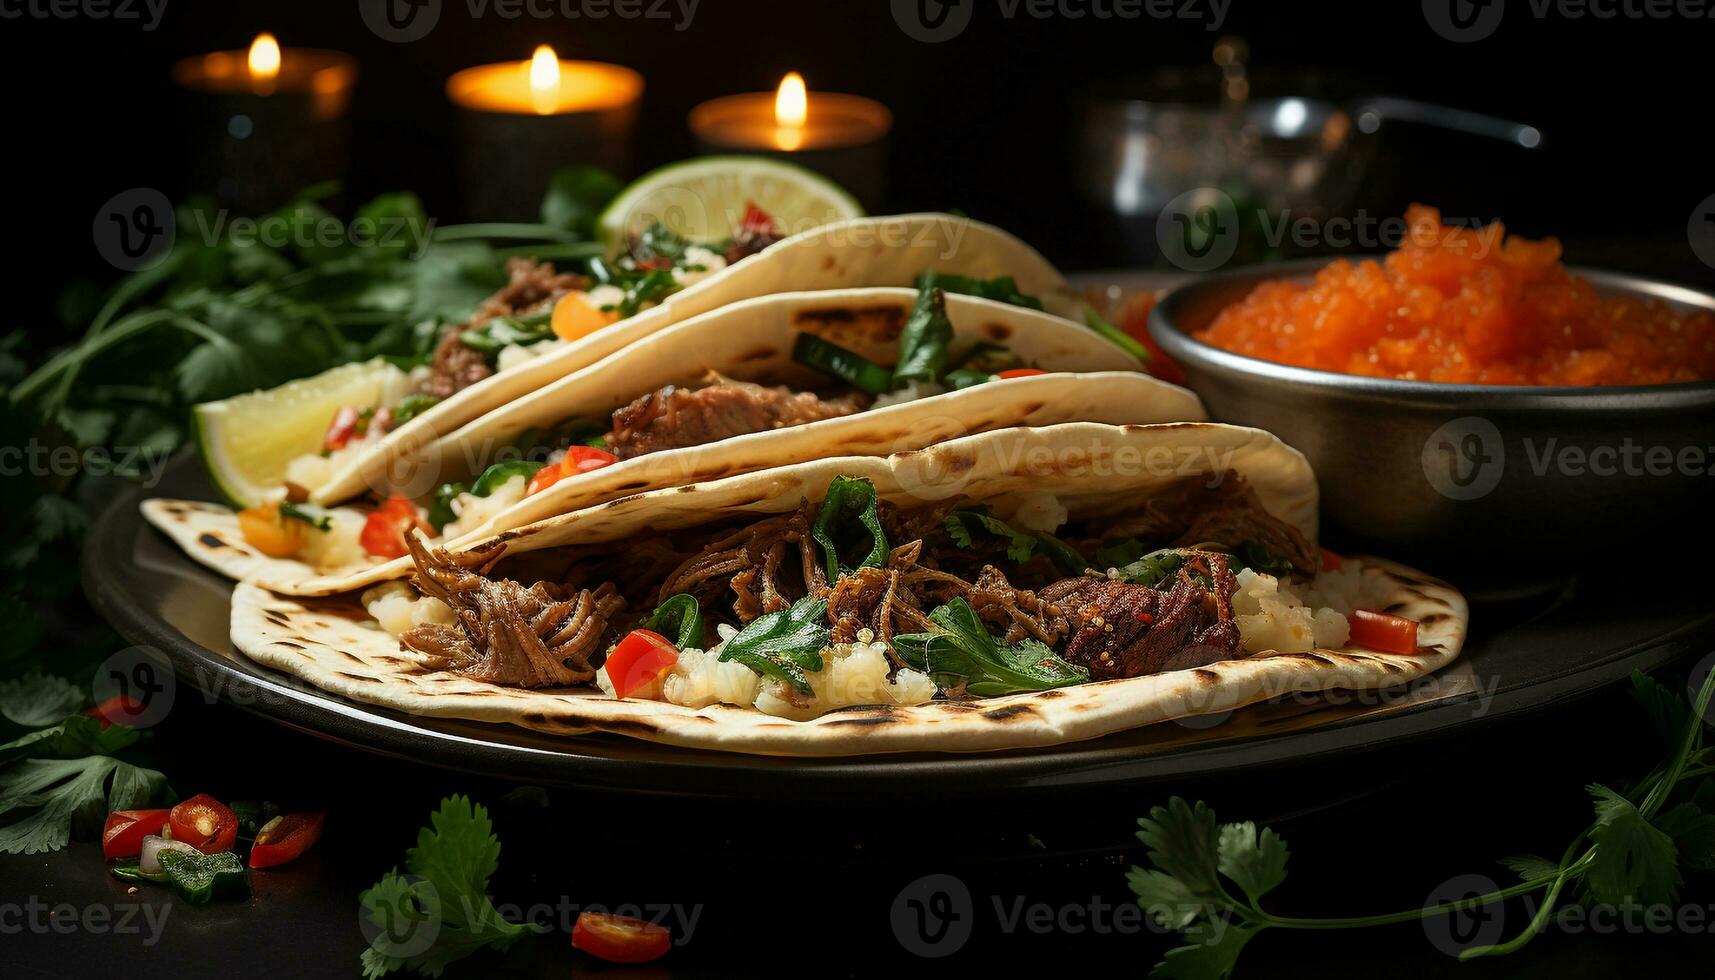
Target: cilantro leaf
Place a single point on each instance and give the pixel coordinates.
(1633, 861)
(1169, 903)
(1210, 952)
(1667, 708)
(1530, 867)
(576, 197)
(1693, 834)
(35, 700)
(1184, 842)
(964, 653)
(75, 736)
(1256, 862)
(52, 797)
(443, 899)
(964, 525)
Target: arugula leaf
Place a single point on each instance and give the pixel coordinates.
(679, 618)
(963, 526)
(1256, 862)
(1633, 860)
(1001, 289)
(848, 523)
(784, 644)
(76, 735)
(965, 653)
(453, 860)
(52, 797)
(576, 197)
(35, 700)
(924, 339)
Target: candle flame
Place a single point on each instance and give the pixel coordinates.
(264, 59)
(545, 79)
(791, 102)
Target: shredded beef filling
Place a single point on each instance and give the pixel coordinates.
(674, 417)
(541, 636)
(531, 285)
(1125, 630)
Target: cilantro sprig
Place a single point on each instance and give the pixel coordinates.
(1207, 879)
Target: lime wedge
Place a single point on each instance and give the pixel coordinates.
(703, 199)
(247, 440)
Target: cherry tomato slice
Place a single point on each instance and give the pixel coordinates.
(638, 659)
(285, 838)
(120, 709)
(1020, 373)
(619, 938)
(1331, 562)
(123, 834)
(204, 823)
(385, 529)
(1380, 631)
(578, 459)
(757, 221)
(342, 428)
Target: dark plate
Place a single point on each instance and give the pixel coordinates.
(1522, 656)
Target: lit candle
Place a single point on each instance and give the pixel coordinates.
(522, 120)
(843, 136)
(268, 120)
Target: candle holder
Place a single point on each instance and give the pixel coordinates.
(842, 137)
(519, 122)
(259, 134)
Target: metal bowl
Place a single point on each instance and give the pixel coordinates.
(1440, 474)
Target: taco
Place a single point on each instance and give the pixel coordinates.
(545, 324)
(782, 378)
(1016, 588)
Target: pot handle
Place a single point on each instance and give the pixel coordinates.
(1371, 112)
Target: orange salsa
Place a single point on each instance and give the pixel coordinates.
(1467, 306)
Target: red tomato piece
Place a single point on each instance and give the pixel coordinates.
(1380, 631)
(1330, 561)
(204, 823)
(385, 529)
(757, 222)
(342, 428)
(1020, 373)
(638, 659)
(120, 709)
(123, 834)
(285, 838)
(578, 459)
(619, 938)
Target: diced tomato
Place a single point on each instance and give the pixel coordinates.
(342, 428)
(385, 529)
(757, 222)
(578, 459)
(638, 660)
(119, 709)
(1380, 631)
(268, 532)
(1020, 373)
(1331, 562)
(620, 938)
(204, 823)
(122, 836)
(285, 838)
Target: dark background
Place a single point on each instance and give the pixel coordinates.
(983, 123)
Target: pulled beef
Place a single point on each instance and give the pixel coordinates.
(541, 636)
(749, 561)
(1124, 630)
(530, 285)
(1191, 515)
(674, 417)
(750, 240)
